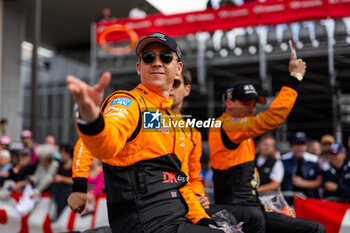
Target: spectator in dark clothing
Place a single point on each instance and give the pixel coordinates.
(209, 5)
(337, 178)
(28, 142)
(105, 16)
(20, 172)
(3, 126)
(40, 181)
(301, 170)
(62, 186)
(17, 176)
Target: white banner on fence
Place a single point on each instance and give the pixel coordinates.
(38, 220)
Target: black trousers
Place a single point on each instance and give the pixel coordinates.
(182, 225)
(60, 193)
(185, 227)
(256, 220)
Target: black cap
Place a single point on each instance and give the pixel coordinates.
(299, 137)
(169, 42)
(244, 92)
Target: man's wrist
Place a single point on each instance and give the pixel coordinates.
(78, 118)
(297, 75)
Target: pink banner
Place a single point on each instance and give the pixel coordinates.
(226, 18)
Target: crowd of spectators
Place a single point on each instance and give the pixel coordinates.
(318, 169)
(36, 168)
(314, 168)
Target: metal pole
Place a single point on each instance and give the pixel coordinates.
(265, 80)
(201, 37)
(93, 55)
(211, 98)
(36, 42)
(337, 127)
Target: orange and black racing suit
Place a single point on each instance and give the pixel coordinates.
(232, 149)
(145, 170)
(235, 177)
(194, 151)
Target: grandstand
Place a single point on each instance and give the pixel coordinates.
(220, 57)
(216, 54)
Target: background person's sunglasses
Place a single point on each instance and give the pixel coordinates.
(176, 83)
(165, 57)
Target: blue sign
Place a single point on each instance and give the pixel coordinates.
(151, 120)
(121, 101)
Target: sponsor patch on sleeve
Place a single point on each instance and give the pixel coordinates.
(121, 101)
(235, 119)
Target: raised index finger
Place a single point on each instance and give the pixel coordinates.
(103, 82)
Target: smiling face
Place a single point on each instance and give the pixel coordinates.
(157, 75)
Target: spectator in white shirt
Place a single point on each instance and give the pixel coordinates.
(270, 168)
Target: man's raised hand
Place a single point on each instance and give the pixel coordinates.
(297, 66)
(88, 97)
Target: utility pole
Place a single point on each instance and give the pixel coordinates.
(34, 73)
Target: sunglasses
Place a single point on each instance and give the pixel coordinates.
(176, 83)
(165, 57)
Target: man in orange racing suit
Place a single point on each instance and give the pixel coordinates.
(144, 167)
(232, 154)
(181, 89)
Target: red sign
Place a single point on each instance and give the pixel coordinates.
(226, 18)
(334, 216)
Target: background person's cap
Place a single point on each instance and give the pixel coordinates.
(5, 140)
(26, 133)
(244, 92)
(299, 137)
(336, 148)
(327, 138)
(169, 42)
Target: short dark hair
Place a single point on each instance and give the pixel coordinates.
(68, 149)
(186, 75)
(3, 120)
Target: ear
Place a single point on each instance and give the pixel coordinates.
(229, 103)
(179, 66)
(138, 68)
(187, 90)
